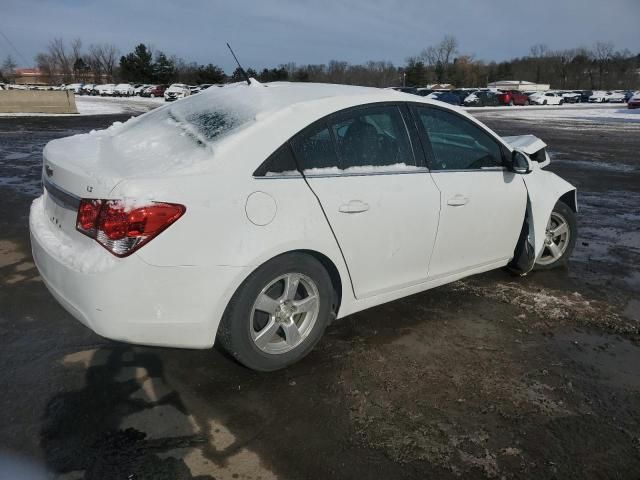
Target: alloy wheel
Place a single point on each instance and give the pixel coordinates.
(284, 313)
(556, 241)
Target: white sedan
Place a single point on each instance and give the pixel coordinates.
(124, 90)
(546, 98)
(176, 91)
(254, 215)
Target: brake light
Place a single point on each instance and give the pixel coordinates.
(123, 230)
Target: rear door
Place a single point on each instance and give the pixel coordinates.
(482, 203)
(381, 203)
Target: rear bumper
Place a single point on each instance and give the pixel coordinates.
(134, 302)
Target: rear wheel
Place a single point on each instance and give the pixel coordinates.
(279, 313)
(561, 233)
(511, 103)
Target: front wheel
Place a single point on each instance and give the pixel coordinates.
(560, 238)
(279, 313)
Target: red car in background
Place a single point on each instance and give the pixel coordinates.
(513, 97)
(154, 91)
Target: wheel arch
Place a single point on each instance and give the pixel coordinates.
(569, 199)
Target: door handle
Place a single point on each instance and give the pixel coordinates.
(458, 200)
(354, 206)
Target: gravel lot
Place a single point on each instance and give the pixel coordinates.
(494, 376)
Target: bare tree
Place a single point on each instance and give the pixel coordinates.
(8, 68)
(440, 56)
(47, 67)
(602, 54)
(57, 50)
(94, 60)
(108, 57)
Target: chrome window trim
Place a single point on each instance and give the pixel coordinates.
(348, 174)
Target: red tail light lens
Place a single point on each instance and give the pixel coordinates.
(121, 229)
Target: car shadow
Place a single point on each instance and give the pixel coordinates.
(95, 432)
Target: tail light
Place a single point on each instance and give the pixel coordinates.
(121, 229)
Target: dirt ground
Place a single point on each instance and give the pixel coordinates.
(495, 376)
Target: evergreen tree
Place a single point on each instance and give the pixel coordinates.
(237, 75)
(210, 74)
(136, 66)
(164, 69)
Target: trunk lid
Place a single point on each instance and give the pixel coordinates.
(71, 170)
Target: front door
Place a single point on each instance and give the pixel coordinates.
(482, 203)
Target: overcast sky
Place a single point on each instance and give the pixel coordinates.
(268, 33)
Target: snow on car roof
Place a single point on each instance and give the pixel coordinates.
(234, 124)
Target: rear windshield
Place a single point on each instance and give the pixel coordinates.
(203, 119)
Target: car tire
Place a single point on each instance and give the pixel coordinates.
(544, 103)
(562, 232)
(527, 103)
(561, 102)
(511, 103)
(270, 340)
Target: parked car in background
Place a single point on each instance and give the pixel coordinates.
(194, 89)
(320, 245)
(628, 94)
(546, 98)
(424, 91)
(75, 87)
(106, 90)
(634, 101)
(176, 91)
(87, 88)
(204, 86)
(446, 97)
(574, 96)
(513, 97)
(137, 89)
(584, 95)
(154, 91)
(412, 90)
(123, 90)
(616, 97)
(599, 96)
(482, 98)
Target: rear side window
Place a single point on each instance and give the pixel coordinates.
(372, 137)
(361, 140)
(314, 148)
(456, 143)
(279, 163)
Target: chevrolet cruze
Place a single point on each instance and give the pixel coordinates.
(251, 216)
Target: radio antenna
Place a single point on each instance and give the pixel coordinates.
(239, 66)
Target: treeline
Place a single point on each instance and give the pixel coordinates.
(600, 66)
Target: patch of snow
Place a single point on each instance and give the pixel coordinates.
(586, 113)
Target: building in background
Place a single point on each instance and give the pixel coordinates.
(520, 85)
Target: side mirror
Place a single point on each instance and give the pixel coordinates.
(520, 162)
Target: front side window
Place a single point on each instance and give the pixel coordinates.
(456, 143)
